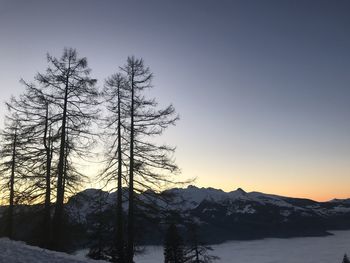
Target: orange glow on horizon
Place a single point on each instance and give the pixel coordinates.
(313, 194)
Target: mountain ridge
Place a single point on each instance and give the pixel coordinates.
(219, 215)
(237, 214)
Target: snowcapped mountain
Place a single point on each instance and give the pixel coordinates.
(239, 201)
(220, 215)
(193, 196)
(225, 215)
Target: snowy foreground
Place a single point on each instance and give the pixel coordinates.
(271, 250)
(18, 252)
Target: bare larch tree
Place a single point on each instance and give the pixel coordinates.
(67, 84)
(115, 99)
(34, 110)
(11, 153)
(149, 163)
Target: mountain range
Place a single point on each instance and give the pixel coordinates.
(220, 215)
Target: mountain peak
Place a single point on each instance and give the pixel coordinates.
(240, 190)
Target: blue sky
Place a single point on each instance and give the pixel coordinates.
(262, 87)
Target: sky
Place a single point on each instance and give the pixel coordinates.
(262, 87)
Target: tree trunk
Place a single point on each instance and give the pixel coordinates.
(197, 254)
(47, 206)
(120, 236)
(64, 182)
(9, 226)
(130, 250)
(57, 219)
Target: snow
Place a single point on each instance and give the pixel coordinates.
(193, 196)
(208, 210)
(285, 213)
(248, 209)
(347, 200)
(270, 199)
(341, 209)
(85, 203)
(272, 250)
(19, 252)
(186, 199)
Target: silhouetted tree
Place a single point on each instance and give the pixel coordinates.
(196, 251)
(34, 109)
(115, 98)
(173, 246)
(72, 92)
(101, 229)
(346, 259)
(11, 153)
(147, 160)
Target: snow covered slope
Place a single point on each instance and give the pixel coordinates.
(192, 196)
(220, 215)
(185, 199)
(18, 252)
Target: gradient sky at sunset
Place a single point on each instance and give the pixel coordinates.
(262, 87)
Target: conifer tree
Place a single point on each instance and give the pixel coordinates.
(173, 246)
(67, 84)
(100, 228)
(11, 171)
(149, 164)
(196, 251)
(115, 98)
(35, 112)
(346, 259)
